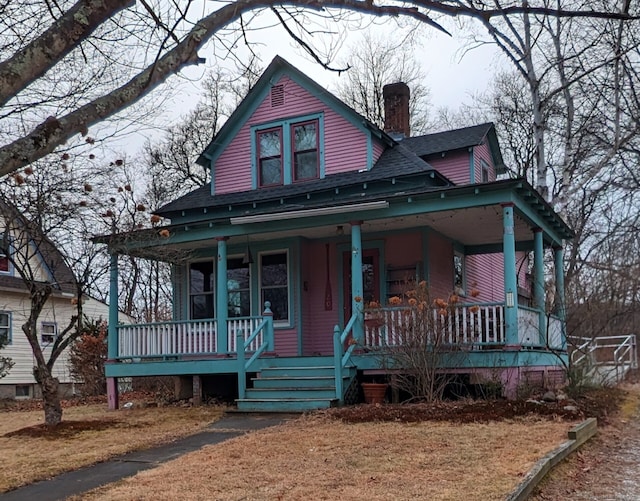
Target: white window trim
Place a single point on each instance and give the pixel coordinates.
(42, 333)
(9, 326)
(460, 290)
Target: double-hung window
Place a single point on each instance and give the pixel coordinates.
(270, 156)
(48, 332)
(274, 284)
(5, 327)
(238, 288)
(5, 264)
(458, 273)
(201, 287)
(288, 151)
(304, 141)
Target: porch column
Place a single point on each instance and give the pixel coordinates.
(222, 294)
(560, 299)
(538, 286)
(357, 287)
(112, 330)
(510, 278)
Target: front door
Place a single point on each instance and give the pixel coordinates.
(370, 279)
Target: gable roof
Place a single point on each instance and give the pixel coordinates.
(60, 275)
(450, 140)
(276, 69)
(394, 163)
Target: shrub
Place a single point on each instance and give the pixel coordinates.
(87, 357)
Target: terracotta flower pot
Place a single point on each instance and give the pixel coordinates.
(374, 393)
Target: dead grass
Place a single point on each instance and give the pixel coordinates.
(30, 452)
(318, 458)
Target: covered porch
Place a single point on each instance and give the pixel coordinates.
(497, 219)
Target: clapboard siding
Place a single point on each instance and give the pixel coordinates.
(440, 266)
(454, 165)
(485, 273)
(481, 152)
(345, 146)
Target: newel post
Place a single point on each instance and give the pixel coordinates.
(242, 375)
(337, 362)
(268, 329)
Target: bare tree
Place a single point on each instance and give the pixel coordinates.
(154, 40)
(375, 61)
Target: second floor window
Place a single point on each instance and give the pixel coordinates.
(288, 151)
(270, 156)
(5, 326)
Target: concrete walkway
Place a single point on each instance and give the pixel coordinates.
(82, 480)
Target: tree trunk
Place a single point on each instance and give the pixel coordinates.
(50, 397)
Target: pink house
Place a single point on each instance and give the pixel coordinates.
(313, 212)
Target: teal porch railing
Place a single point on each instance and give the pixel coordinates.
(340, 355)
(259, 341)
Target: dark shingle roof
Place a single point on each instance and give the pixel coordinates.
(449, 140)
(394, 162)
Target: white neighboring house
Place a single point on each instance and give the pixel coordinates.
(47, 265)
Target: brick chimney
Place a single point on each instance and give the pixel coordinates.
(396, 110)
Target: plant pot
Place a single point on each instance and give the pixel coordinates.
(374, 393)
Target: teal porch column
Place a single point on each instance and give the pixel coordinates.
(222, 294)
(357, 287)
(112, 333)
(538, 286)
(560, 299)
(510, 278)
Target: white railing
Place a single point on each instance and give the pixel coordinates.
(167, 338)
(528, 326)
(555, 329)
(244, 326)
(480, 324)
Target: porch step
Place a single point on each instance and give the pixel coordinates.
(290, 388)
(285, 404)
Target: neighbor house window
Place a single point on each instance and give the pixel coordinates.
(458, 273)
(5, 264)
(270, 156)
(201, 287)
(287, 151)
(274, 284)
(239, 288)
(23, 391)
(5, 326)
(48, 332)
(305, 150)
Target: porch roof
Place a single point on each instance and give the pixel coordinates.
(470, 215)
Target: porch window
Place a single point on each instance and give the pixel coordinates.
(239, 288)
(274, 284)
(5, 326)
(201, 287)
(270, 156)
(305, 150)
(458, 273)
(48, 332)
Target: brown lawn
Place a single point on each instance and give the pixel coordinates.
(316, 457)
(89, 434)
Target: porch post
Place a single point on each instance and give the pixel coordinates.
(560, 299)
(357, 287)
(510, 278)
(112, 330)
(538, 287)
(222, 294)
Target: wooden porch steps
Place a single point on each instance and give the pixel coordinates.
(293, 388)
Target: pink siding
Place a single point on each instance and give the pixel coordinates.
(403, 249)
(485, 272)
(440, 266)
(482, 152)
(454, 165)
(345, 146)
(378, 149)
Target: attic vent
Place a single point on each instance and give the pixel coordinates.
(277, 95)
